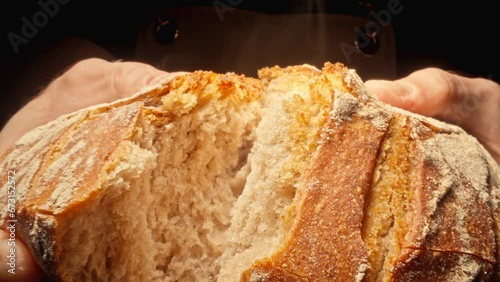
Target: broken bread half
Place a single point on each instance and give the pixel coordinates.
(298, 176)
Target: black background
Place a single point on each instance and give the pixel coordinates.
(445, 34)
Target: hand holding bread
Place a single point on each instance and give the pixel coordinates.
(471, 103)
(88, 83)
(299, 175)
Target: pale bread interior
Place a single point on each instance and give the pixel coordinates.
(165, 210)
(293, 116)
(172, 210)
(202, 193)
(185, 205)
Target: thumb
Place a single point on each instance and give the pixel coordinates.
(126, 78)
(16, 263)
(472, 103)
(427, 92)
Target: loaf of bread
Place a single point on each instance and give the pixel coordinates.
(300, 175)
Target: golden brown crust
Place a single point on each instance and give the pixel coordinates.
(428, 265)
(450, 223)
(452, 219)
(61, 166)
(326, 244)
(75, 167)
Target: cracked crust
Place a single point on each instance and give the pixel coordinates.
(386, 197)
(62, 167)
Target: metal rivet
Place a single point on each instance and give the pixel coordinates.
(367, 41)
(165, 30)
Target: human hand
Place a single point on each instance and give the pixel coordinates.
(87, 83)
(471, 103)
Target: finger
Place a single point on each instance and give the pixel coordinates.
(472, 103)
(20, 266)
(430, 91)
(426, 92)
(87, 83)
(94, 81)
(128, 78)
(391, 92)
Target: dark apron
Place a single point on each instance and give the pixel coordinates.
(224, 40)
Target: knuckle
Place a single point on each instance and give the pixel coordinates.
(444, 81)
(86, 64)
(81, 71)
(443, 84)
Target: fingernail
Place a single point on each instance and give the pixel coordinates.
(402, 88)
(380, 88)
(389, 88)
